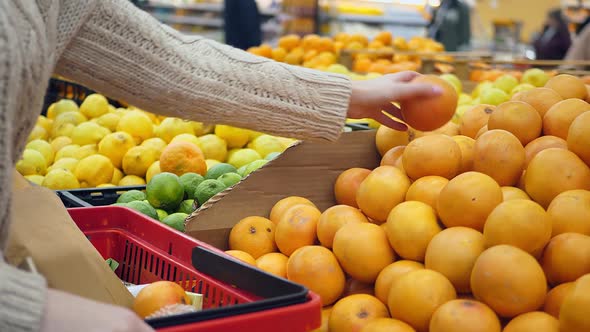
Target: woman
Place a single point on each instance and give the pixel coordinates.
(451, 25)
(242, 23)
(112, 47)
(555, 40)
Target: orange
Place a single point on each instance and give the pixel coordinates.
(352, 313)
(466, 144)
(573, 315)
(555, 298)
(568, 86)
(521, 223)
(387, 138)
(482, 131)
(440, 109)
(289, 42)
(265, 50)
(335, 218)
(362, 65)
(475, 118)
(416, 295)
(390, 274)
(578, 137)
(326, 311)
(183, 157)
(432, 155)
(342, 37)
(468, 199)
(381, 191)
(410, 227)
(553, 171)
(277, 211)
(347, 184)
(566, 258)
(510, 193)
(387, 325)
(540, 144)
(317, 268)
(353, 286)
(570, 212)
(279, 54)
(537, 321)
(391, 157)
(426, 189)
(362, 250)
(558, 119)
(509, 280)
(254, 235)
(157, 295)
(384, 37)
(326, 45)
(297, 228)
(450, 129)
(273, 263)
(519, 118)
(499, 154)
(243, 256)
(310, 42)
(453, 252)
(464, 316)
(542, 99)
(360, 38)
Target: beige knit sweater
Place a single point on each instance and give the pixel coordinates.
(112, 47)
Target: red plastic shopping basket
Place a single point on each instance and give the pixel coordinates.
(236, 297)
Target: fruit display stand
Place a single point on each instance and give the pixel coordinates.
(60, 88)
(235, 296)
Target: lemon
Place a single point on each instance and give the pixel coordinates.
(94, 170)
(94, 106)
(105, 185)
(44, 148)
(32, 163)
(243, 157)
(235, 137)
(62, 106)
(60, 179)
(211, 162)
(59, 142)
(137, 160)
(115, 145)
(86, 151)
(171, 127)
(109, 121)
(131, 180)
(68, 151)
(152, 116)
(120, 111)
(253, 134)
(74, 118)
(153, 170)
(266, 144)
(287, 142)
(64, 129)
(117, 176)
(44, 122)
(88, 133)
(67, 163)
(231, 152)
(157, 145)
(36, 179)
(111, 108)
(38, 132)
(201, 128)
(186, 138)
(137, 124)
(213, 147)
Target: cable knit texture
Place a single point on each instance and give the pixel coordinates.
(112, 47)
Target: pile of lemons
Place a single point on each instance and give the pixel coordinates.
(97, 145)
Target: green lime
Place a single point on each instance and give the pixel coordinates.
(190, 181)
(120, 204)
(256, 164)
(176, 220)
(161, 214)
(130, 196)
(229, 179)
(208, 189)
(165, 191)
(272, 155)
(187, 206)
(241, 170)
(143, 207)
(218, 170)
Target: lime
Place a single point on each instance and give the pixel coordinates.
(241, 170)
(243, 157)
(119, 204)
(130, 196)
(229, 179)
(251, 167)
(190, 181)
(208, 189)
(161, 214)
(165, 191)
(219, 169)
(143, 207)
(176, 220)
(272, 155)
(187, 206)
(266, 144)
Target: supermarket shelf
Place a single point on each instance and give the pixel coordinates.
(387, 20)
(208, 7)
(190, 20)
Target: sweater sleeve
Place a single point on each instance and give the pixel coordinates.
(125, 53)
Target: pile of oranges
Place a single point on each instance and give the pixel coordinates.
(486, 230)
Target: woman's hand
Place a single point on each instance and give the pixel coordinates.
(69, 313)
(369, 98)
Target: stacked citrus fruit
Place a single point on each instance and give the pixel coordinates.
(483, 230)
(97, 145)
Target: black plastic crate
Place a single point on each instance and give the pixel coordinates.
(93, 196)
(62, 89)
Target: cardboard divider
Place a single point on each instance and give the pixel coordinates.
(308, 169)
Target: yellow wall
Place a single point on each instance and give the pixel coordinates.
(531, 12)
